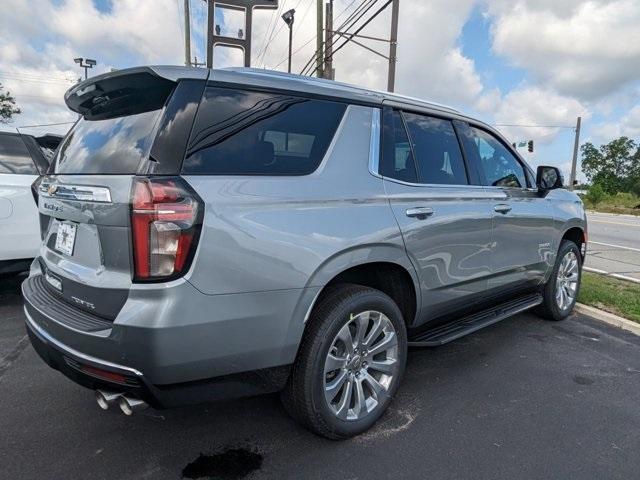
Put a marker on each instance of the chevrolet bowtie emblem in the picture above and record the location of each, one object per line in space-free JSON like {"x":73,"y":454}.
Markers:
{"x":52,"y":189}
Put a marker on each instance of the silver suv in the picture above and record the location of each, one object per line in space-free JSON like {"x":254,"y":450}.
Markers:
{"x":214,"y":234}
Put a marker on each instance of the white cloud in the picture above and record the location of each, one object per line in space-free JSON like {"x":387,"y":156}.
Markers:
{"x":583,"y":49}
{"x":628,"y":125}
{"x":40,"y":38}
{"x":537,"y":106}
{"x":430,"y":66}
{"x":580,"y":53}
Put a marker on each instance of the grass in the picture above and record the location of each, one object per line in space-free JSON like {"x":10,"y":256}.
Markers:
{"x":612,"y":295}
{"x":620,"y":203}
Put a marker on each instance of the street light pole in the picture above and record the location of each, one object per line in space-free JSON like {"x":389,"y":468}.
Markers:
{"x":86,"y":64}
{"x":289,"y":17}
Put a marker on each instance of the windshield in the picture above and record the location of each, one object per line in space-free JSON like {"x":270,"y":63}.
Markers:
{"x":111,"y":146}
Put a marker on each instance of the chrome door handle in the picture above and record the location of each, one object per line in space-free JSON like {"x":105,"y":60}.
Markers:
{"x":502,"y":208}
{"x":420,"y":212}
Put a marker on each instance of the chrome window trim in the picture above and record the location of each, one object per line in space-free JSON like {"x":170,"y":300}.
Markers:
{"x":75,"y":192}
{"x":374,"y":143}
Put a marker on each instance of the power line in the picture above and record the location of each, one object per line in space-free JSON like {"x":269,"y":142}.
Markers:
{"x":306,"y":12}
{"x":264,"y":54}
{"x":266,"y":32}
{"x":46,"y":125}
{"x":359,"y":12}
{"x":353,"y":19}
{"x":311,"y":39}
{"x":273,"y":32}
{"x":34,"y":80}
{"x":18,"y":95}
{"x":336,"y":50}
{"x":532,"y":126}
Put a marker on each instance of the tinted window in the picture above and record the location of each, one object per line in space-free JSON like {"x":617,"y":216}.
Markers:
{"x":498,"y":165}
{"x":250,"y":133}
{"x":398,"y":162}
{"x":14,"y":156}
{"x":437,"y":150}
{"x":110,"y":146}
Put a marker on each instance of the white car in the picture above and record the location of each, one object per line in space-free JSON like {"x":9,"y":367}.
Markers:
{"x":23,"y":158}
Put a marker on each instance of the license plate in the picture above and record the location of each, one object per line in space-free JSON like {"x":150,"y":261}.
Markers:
{"x":66,"y":238}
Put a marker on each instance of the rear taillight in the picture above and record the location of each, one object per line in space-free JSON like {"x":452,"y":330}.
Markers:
{"x":166,"y":216}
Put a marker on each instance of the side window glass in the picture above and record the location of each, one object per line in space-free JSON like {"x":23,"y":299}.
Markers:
{"x":437,"y":150}
{"x":399,"y":163}
{"x":14,"y":156}
{"x":239,"y":132}
{"x":497,"y":164}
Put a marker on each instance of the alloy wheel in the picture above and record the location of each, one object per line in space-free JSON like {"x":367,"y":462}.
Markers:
{"x":567,"y":281}
{"x":361,"y":365}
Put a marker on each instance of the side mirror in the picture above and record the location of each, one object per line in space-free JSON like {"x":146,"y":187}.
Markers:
{"x":548,"y":178}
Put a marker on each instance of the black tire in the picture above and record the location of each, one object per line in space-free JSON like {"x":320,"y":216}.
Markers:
{"x":303,"y":396}
{"x":549,"y":309}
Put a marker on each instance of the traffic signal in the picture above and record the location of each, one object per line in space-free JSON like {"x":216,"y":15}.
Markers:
{"x":530,"y":146}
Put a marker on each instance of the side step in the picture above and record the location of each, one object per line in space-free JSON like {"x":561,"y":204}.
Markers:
{"x":459,"y":328}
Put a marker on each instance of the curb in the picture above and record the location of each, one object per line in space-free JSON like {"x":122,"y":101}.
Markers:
{"x":610,"y":274}
{"x":609,"y":318}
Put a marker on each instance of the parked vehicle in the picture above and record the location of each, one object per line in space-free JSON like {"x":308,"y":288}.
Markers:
{"x":218,"y":233}
{"x":22,"y":159}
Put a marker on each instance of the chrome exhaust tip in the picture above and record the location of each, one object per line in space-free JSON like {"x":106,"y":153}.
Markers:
{"x":106,"y":398}
{"x":128,"y":405}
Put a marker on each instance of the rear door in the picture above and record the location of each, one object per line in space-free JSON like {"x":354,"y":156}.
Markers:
{"x":133,"y":124}
{"x":522,"y":219}
{"x":444,"y":215}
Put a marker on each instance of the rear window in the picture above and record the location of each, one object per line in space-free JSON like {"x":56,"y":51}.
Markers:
{"x":14,"y":156}
{"x":110,"y":146}
{"x":251,"y":133}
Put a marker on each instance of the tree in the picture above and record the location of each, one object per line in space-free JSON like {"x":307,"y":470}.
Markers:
{"x":7,"y":106}
{"x":614,"y":166}
{"x":595,"y":194}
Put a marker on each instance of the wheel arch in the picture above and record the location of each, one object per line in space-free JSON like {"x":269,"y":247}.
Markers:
{"x":576,"y":234}
{"x":383,"y":267}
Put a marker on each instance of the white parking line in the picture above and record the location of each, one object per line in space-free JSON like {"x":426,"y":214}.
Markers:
{"x":615,"y":275}
{"x":615,"y":246}
{"x":615,"y":223}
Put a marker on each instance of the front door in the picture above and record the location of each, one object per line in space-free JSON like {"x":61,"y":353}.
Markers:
{"x":523,"y":246}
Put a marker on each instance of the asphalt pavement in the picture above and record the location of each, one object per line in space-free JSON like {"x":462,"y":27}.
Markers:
{"x":614,"y":245}
{"x":523,"y":399}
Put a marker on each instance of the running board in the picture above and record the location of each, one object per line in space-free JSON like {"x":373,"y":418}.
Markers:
{"x":459,"y":328}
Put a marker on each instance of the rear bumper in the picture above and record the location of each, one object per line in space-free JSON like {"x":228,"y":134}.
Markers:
{"x":173,"y":344}
{"x":89,"y":372}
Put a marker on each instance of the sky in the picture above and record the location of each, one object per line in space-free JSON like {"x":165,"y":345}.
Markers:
{"x":542,"y":62}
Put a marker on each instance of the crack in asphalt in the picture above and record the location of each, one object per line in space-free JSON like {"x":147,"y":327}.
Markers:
{"x":13,"y":355}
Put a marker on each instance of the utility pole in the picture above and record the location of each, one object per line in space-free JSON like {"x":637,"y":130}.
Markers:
{"x":393,"y":45}
{"x":328,"y":54}
{"x":319,"y":53}
{"x":187,"y":34}
{"x":576,"y":146}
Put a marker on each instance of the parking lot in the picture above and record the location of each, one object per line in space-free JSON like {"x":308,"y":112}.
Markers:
{"x":522,"y":399}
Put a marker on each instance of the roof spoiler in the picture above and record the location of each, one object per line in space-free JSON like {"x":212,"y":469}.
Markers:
{"x":127,"y":91}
